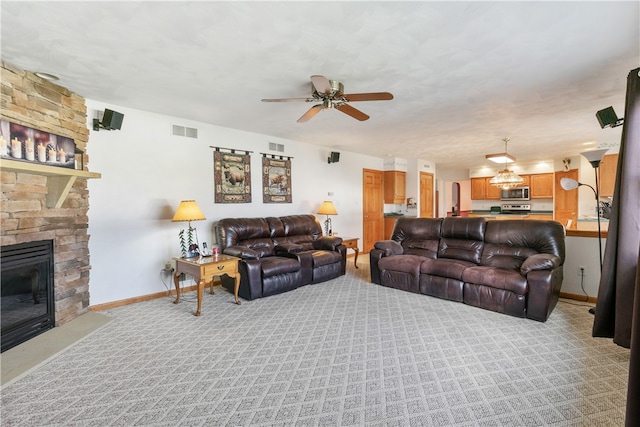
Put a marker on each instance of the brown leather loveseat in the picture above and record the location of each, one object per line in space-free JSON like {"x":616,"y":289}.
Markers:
{"x":509,"y":266}
{"x":279,"y":254}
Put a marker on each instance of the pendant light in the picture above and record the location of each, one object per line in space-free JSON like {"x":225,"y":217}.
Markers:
{"x":506,"y":178}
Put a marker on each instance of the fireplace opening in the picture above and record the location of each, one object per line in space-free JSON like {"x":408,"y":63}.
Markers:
{"x":27,"y":294}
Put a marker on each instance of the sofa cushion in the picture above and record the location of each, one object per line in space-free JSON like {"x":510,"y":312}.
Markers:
{"x":275,"y":265}
{"x":443,"y":267}
{"x":501,"y":256}
{"x":251,"y":232}
{"x":544,"y":237}
{"x":498,"y":278}
{"x":464,"y":250}
{"x":462,"y":238}
{"x":321,"y":258}
{"x":404,"y":263}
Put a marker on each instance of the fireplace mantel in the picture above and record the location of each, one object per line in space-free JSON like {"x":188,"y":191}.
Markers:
{"x":59,"y":180}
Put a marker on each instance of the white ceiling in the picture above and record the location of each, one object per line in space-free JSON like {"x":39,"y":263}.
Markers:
{"x":464,"y":75}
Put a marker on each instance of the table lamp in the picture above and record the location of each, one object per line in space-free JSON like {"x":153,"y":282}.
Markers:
{"x":188,"y":211}
{"x":327,"y":208}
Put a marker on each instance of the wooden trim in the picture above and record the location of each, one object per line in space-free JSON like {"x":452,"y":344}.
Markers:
{"x":586,"y":233}
{"x":142,"y":298}
{"x":577,"y":297}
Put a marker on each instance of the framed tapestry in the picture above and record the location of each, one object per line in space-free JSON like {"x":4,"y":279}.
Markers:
{"x":276,"y":180}
{"x":232,"y":177}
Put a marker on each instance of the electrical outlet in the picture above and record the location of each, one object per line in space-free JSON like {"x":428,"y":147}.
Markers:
{"x":582,"y":271}
{"x":167,"y":265}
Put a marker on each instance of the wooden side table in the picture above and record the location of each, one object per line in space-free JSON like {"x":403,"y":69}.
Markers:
{"x":352,"y":243}
{"x":204,"y":268}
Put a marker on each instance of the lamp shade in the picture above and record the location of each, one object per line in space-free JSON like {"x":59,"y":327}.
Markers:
{"x":569,"y":184}
{"x":594,"y":157}
{"x":188,"y":211}
{"x":327,"y":208}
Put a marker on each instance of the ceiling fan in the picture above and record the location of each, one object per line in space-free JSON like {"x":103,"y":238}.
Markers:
{"x":330,"y":94}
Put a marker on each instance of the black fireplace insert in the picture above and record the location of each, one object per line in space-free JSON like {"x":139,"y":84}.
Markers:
{"x":27,"y":294}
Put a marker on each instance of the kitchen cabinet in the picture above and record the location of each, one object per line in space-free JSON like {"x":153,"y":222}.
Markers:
{"x":481,"y":189}
{"x":478,"y":191}
{"x":395,"y":187}
{"x":541,"y":186}
{"x":608,"y":170}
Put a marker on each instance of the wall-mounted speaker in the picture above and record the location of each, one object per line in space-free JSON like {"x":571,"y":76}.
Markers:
{"x":334,"y":157}
{"x":112,"y":119}
{"x":607,"y":117}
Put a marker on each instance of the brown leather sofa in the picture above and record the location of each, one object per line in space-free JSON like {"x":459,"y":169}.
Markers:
{"x":509,"y":266}
{"x":279,"y":254}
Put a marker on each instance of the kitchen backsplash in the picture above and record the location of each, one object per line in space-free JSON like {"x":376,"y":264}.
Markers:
{"x":536,"y":205}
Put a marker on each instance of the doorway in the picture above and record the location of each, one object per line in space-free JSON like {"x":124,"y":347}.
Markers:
{"x":426,"y":195}
{"x":372,"y":208}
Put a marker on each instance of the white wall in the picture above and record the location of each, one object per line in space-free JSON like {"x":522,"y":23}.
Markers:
{"x":146,"y":172}
{"x":582,"y":252}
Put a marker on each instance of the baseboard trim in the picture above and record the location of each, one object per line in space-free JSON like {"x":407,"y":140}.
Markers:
{"x":142,"y":298}
{"x":578,"y":297}
{"x":121,"y":303}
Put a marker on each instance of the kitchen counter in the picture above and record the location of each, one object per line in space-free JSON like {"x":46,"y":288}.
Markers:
{"x":500,"y":216}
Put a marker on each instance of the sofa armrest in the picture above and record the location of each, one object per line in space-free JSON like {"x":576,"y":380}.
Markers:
{"x":288,"y":248}
{"x":389,"y":247}
{"x":540,"y":262}
{"x":327,"y":243}
{"x":241,"y":252}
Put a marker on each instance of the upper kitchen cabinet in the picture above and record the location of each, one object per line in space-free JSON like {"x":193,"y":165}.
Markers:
{"x":541,"y":186}
{"x":395,"y":183}
{"x":481,"y":189}
{"x":608,"y":167}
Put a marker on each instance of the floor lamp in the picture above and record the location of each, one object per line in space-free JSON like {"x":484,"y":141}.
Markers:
{"x":594,"y":157}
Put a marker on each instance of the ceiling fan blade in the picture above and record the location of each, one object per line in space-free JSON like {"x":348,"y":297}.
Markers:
{"x":321,"y":84}
{"x":373,"y":96}
{"x":353,"y":112}
{"x":310,"y":113}
{"x":289,"y":100}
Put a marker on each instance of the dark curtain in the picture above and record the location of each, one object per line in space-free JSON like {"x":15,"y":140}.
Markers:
{"x":618,"y":308}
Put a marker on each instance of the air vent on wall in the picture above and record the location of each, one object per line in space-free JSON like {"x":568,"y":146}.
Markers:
{"x":276,"y":147}
{"x":178,"y":130}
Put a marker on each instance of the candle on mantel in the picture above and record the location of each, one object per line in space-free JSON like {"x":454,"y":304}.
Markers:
{"x":3,"y":146}
{"x":61,"y":156}
{"x":52,"y":154}
{"x":29,"y":153}
{"x":16,"y":148}
{"x":42,"y":153}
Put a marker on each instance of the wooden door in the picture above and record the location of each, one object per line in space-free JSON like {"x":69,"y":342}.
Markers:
{"x":372,"y":208}
{"x":565,"y":203}
{"x":426,"y":195}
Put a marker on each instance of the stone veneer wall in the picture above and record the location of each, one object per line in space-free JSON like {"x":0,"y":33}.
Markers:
{"x":31,"y":101}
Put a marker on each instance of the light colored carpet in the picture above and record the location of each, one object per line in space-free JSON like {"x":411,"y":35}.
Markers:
{"x":344,"y":352}
{"x":22,"y":358}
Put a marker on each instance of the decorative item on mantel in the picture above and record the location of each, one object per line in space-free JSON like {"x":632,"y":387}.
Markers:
{"x":506,"y":178}
{"x":25,"y":144}
{"x":327,"y":208}
{"x":189,"y":211}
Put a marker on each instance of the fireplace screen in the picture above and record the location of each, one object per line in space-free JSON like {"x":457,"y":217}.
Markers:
{"x":27,"y":303}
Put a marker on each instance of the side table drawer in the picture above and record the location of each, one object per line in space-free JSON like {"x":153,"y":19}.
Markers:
{"x":351,"y":243}
{"x":222,"y":267}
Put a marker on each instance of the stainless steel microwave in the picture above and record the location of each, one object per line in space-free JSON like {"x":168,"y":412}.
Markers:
{"x":518,"y":193}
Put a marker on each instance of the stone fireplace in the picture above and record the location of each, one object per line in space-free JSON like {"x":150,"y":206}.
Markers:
{"x":43,"y":205}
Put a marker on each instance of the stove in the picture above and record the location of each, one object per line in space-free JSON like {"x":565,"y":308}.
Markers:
{"x":518,"y":208}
